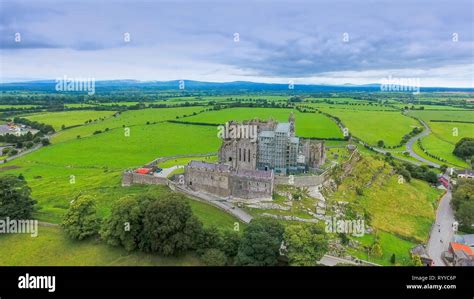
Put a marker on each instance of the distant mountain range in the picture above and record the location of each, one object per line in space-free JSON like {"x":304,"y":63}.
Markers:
{"x":189,"y":85}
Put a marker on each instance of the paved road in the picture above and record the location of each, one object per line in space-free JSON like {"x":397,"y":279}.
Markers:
{"x":23,"y":153}
{"x":329,"y":260}
{"x":34,"y":148}
{"x":409,"y":145}
{"x":215,"y":201}
{"x":442,"y":232}
{"x":166,"y":171}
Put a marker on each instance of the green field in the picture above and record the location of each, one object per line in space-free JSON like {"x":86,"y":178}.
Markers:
{"x":115,"y":149}
{"x":52,"y":248}
{"x":372,"y":126}
{"x":463,"y":115}
{"x":307,"y":124}
{"x":440,"y":148}
{"x":68,"y":118}
{"x":445,"y":135}
{"x":126,"y":119}
{"x":353,"y":105}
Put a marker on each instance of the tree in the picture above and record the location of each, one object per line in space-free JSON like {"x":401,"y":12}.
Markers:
{"x":125,"y":223}
{"x":169,"y":226}
{"x":81,"y":220}
{"x":230,"y":243}
{"x":416,"y":260}
{"x":12,"y":152}
{"x":15,"y":200}
{"x":465,"y":216}
{"x":306,"y":244}
{"x":6,"y":150}
{"x":261,"y":241}
{"x":380,"y":143}
{"x":393,"y":259}
{"x":214,"y":257}
{"x":376,"y":249}
{"x":208,"y":238}
{"x":464,"y":148}
{"x":463,"y":204}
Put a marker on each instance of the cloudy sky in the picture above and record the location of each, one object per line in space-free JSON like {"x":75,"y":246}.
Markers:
{"x":323,"y":42}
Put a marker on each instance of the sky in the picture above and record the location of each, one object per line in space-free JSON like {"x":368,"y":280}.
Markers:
{"x":306,"y":42}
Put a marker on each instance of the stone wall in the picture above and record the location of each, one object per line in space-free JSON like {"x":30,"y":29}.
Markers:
{"x":249,"y":188}
{"x":211,"y":181}
{"x":130,"y":178}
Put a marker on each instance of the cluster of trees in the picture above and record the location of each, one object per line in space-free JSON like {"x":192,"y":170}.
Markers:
{"x":464,"y":148}
{"x":15,"y":198}
{"x":463,"y":204}
{"x":409,"y":171}
{"x":11,"y":138}
{"x":428,"y":153}
{"x":43,"y":128}
{"x":167,"y":226}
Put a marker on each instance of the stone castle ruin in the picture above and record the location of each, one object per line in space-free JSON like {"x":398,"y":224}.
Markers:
{"x":248,"y":164}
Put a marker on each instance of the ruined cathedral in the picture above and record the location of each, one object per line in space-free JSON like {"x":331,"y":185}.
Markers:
{"x":275,"y":148}
{"x":251,"y":154}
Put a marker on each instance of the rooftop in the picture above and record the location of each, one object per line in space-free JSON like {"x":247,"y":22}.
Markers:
{"x":465,"y":239}
{"x":210,"y":166}
{"x":466,"y":249}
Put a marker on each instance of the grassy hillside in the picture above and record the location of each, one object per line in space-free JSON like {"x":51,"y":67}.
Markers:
{"x":52,"y":248}
{"x":405,"y":209}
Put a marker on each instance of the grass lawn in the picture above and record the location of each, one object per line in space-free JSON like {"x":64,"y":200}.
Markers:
{"x":462,"y":115}
{"x":115,"y":149}
{"x":372,"y":126}
{"x":125,"y":119}
{"x":52,"y":248}
{"x":445,"y":135}
{"x":68,"y":118}
{"x":390,"y":245}
{"x":452,"y":132}
{"x":440,"y":148}
{"x":307,"y":124}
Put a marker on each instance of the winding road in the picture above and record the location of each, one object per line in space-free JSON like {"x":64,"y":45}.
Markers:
{"x":409,"y":145}
{"x":442,"y":231}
